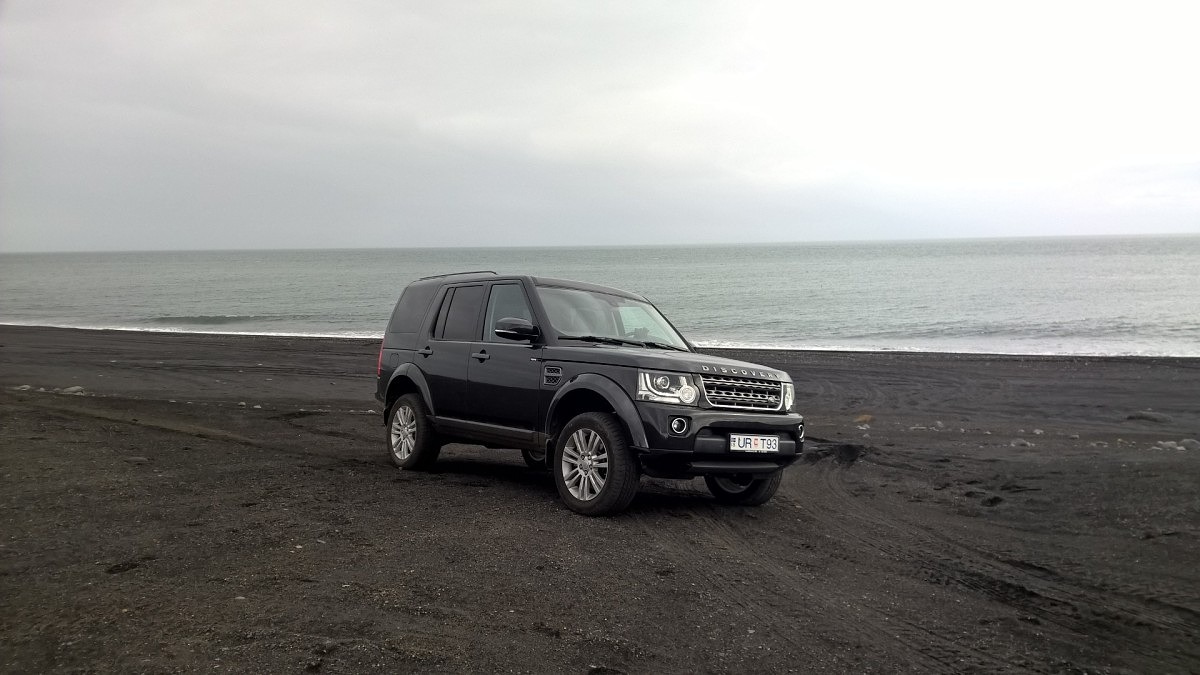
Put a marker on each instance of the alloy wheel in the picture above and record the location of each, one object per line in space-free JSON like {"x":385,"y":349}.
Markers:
{"x":585,"y":464}
{"x":404,"y":432}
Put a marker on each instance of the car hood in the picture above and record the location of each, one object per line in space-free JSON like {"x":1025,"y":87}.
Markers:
{"x":661,"y":359}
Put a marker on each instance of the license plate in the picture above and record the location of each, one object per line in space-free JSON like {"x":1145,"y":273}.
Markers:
{"x":748,"y":443}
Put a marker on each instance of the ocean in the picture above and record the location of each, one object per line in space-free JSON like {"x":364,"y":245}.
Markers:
{"x":1079,"y":295}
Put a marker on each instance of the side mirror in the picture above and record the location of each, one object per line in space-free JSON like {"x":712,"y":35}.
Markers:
{"x":511,"y":328}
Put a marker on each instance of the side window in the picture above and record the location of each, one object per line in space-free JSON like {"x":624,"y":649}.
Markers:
{"x":440,"y":324}
{"x":507,"y":301}
{"x":463,"y":314}
{"x":410,"y":310}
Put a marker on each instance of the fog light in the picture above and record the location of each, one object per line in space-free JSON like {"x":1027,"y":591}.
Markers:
{"x":679,"y":426}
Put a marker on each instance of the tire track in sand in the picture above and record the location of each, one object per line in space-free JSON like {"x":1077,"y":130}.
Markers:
{"x":1080,"y":609}
{"x":713,"y":532}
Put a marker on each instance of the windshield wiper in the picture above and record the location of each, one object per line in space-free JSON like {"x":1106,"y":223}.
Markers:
{"x":662,"y":345}
{"x":607,"y":340}
{"x":602,"y":339}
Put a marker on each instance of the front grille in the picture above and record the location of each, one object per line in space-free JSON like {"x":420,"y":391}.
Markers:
{"x":742,"y":393}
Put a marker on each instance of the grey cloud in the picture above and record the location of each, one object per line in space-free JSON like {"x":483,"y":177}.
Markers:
{"x":149,"y":125}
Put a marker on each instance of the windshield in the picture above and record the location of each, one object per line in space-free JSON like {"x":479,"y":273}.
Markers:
{"x":576,"y":313}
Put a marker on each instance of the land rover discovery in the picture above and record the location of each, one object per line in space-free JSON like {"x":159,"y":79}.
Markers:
{"x":591,"y":382}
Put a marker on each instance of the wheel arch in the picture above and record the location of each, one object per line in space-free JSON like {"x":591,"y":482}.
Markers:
{"x":593,"y":393}
{"x":407,"y":379}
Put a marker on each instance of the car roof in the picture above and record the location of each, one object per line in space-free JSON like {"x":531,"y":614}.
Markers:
{"x":467,"y":277}
{"x":583,"y":286}
{"x":459,"y":276}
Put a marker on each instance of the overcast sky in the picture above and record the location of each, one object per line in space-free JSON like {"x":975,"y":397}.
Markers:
{"x":262,"y":124}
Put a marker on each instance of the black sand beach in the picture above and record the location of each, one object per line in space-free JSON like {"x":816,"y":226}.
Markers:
{"x":225,"y":503}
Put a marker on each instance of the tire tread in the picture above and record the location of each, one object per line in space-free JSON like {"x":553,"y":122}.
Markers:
{"x":759,"y":491}
{"x":428,"y":446}
{"x":623,"y":479}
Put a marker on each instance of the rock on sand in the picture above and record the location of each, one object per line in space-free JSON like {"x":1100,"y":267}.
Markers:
{"x":1186,"y":444}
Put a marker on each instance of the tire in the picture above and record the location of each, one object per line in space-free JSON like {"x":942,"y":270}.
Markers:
{"x":535,"y":459}
{"x":593,"y":468}
{"x":744,"y":490}
{"x":411,"y":440}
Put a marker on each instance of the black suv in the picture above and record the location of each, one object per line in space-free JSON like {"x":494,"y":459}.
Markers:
{"x":594,"y":378}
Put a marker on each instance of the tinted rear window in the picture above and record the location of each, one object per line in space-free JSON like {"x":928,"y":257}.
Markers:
{"x":411,"y":308}
{"x":463,"y":317}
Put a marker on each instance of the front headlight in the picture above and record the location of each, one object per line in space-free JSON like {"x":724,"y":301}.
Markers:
{"x":662,"y":387}
{"x":789,"y":396}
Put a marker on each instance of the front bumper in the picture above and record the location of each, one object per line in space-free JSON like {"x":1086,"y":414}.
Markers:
{"x":703,"y":448}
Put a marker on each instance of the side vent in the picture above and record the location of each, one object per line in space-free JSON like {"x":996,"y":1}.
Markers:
{"x":551,"y":375}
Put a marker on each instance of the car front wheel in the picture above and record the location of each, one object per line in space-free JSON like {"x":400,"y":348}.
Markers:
{"x":593,"y":468}
{"x":744,"y":490}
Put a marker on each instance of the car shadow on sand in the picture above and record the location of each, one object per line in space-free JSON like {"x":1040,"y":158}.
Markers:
{"x":474,"y":472}
{"x":655,"y":496}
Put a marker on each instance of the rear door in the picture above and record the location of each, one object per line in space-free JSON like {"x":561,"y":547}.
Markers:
{"x":505,"y":375}
{"x":451,"y":339}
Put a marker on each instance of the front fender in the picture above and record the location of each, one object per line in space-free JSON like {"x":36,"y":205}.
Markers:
{"x":612,"y":393}
{"x":413,"y":374}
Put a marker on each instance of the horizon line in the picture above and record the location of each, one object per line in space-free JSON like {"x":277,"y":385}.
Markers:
{"x":741,"y":244}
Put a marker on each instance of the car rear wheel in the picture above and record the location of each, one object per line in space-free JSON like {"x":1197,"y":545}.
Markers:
{"x":412,"y":443}
{"x":744,"y":490}
{"x":593,"y":468}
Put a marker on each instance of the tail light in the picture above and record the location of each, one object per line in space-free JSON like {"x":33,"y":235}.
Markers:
{"x":379,"y":362}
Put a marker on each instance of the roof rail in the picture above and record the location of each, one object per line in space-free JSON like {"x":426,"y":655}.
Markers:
{"x":454,"y":274}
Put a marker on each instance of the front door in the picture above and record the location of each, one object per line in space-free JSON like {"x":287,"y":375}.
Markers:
{"x":505,"y":374}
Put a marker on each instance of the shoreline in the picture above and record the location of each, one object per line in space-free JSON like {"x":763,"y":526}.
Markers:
{"x":703,"y":347}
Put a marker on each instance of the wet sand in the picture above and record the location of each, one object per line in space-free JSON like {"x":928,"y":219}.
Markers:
{"x":953,"y":513}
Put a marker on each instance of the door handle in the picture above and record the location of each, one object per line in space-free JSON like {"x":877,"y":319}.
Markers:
{"x":425,"y":352}
{"x":482,"y":356}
